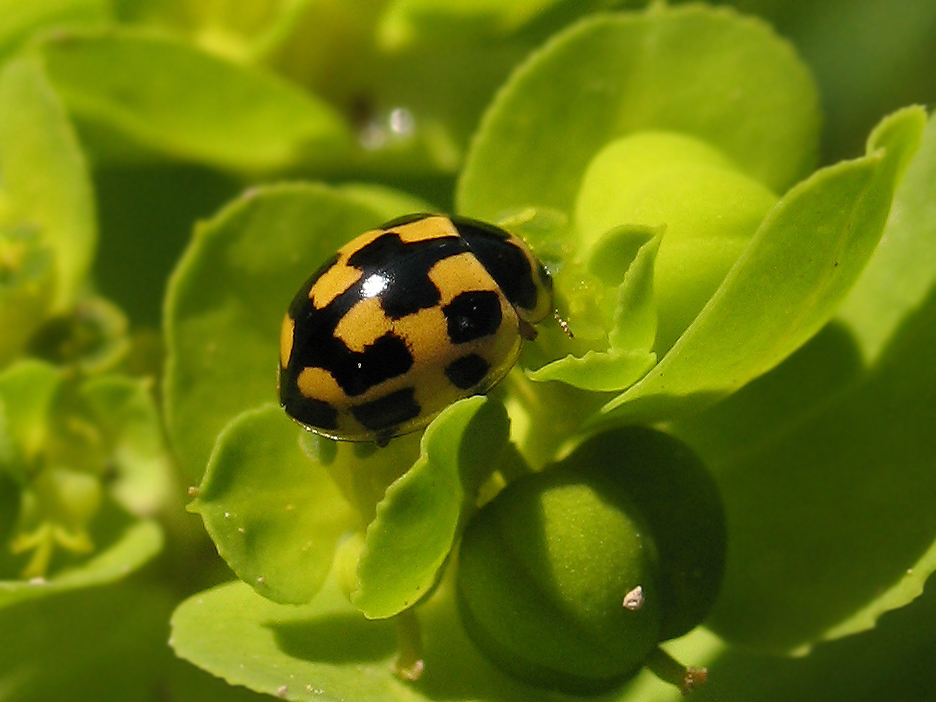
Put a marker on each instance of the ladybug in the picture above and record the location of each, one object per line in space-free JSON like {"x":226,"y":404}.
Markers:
{"x":403,"y":321}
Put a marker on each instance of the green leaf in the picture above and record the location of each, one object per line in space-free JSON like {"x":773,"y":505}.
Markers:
{"x":122,"y":545}
{"x":892,"y":660}
{"x":46,"y":187}
{"x":612,"y":370}
{"x":21,"y":19}
{"x":418,"y":520}
{"x":889,"y":662}
{"x":125,"y":412}
{"x":327,"y":651}
{"x":171,"y":99}
{"x":99,"y":645}
{"x":186,"y":683}
{"x":706,"y":72}
{"x":618,"y":274}
{"x":244,"y":33}
{"x":406,"y":18}
{"x":632,"y":320}
{"x":226,"y":300}
{"x":788,"y":283}
{"x":635,"y":318}
{"x":829,"y":504}
{"x":783,"y":429}
{"x":901,"y":273}
{"x":275,"y":516}
{"x":103,"y":644}
{"x":708,"y":208}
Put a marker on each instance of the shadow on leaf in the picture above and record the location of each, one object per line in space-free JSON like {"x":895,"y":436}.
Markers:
{"x":336,"y":638}
{"x":831,"y":504}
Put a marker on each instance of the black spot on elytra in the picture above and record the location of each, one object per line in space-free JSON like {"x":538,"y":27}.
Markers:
{"x":405,"y":270}
{"x":466,"y":372}
{"x":316,"y":413}
{"x":376,"y":254}
{"x":407,"y":289}
{"x":506,"y":262}
{"x":406,"y":297}
{"x":386,"y":358}
{"x":388,"y":411}
{"x":472,"y":315}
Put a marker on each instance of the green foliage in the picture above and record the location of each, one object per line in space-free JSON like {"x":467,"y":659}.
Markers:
{"x":739,"y":422}
{"x":709,"y":209}
{"x":416,"y":523}
{"x":808,"y":253}
{"x":121,"y":546}
{"x":765,"y":120}
{"x":278,"y":527}
{"x":294,"y":652}
{"x":847,"y":411}
{"x":46,"y":190}
{"x":59,"y":440}
{"x":21,"y":19}
{"x":179,"y":119}
{"x":622,"y":266}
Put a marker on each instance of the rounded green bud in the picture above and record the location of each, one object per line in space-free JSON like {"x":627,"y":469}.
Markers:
{"x":680,"y":503}
{"x":557,"y":584}
{"x":709,"y":208}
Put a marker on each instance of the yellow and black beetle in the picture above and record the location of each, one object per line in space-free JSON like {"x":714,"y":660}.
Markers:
{"x":403,"y":321}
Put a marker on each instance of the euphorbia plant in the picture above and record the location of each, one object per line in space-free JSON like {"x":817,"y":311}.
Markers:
{"x":739,"y":434}
{"x":660,"y":163}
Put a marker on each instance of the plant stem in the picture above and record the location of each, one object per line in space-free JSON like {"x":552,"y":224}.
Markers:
{"x":409,"y":662}
{"x":669,"y":670}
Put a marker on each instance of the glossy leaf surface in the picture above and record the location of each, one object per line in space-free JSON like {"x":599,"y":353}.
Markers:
{"x":275,"y":516}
